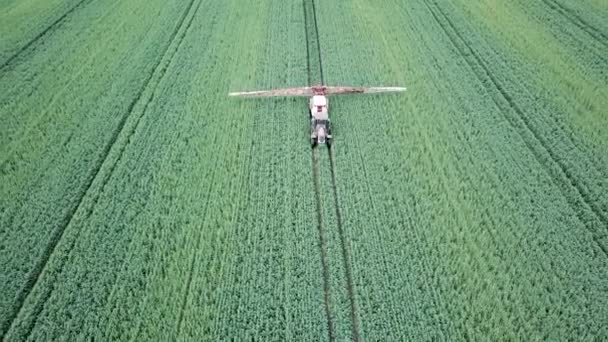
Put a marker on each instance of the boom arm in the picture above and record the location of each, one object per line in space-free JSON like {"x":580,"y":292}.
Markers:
{"x":361,"y":90}
{"x":303,"y":91}
{"x":318,"y":90}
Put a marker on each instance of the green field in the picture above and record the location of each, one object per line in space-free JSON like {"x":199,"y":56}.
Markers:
{"x":139,"y":202}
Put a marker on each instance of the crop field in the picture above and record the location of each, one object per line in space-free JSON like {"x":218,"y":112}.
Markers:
{"x":139,"y":202}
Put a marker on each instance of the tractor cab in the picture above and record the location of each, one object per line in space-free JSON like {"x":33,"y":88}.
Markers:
{"x":320,"y":126}
{"x":319,"y":107}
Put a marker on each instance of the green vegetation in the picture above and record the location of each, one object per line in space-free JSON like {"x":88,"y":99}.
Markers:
{"x":138,"y":201}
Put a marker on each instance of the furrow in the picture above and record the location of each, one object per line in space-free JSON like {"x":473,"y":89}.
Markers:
{"x":314,"y":16}
{"x":307,"y":42}
{"x":87,"y":187}
{"x":39,"y":119}
{"x":54,"y":25}
{"x":316,"y":181}
{"x":538,"y":138}
{"x":160,"y":69}
{"x":313,"y":46}
{"x":574,"y":18}
{"x":322,"y":245}
{"x":531,"y":137}
{"x":345,"y":254}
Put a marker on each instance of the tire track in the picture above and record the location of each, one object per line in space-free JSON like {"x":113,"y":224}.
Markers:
{"x":344,"y":250}
{"x":37,"y":121}
{"x":533,"y":140}
{"x":54,"y":25}
{"x":350,"y":287}
{"x":314,"y":16}
{"x":317,"y":192}
{"x":312,"y":31}
{"x":309,"y":76}
{"x":575,"y":19}
{"x":322,"y":245}
{"x":158,"y":69}
{"x":108,"y":174}
{"x":313,"y":47}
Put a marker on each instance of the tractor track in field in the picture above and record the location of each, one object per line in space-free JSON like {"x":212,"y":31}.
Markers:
{"x":52,"y":27}
{"x":322,"y":245}
{"x":350,"y":287}
{"x":317,"y":194}
{"x":533,"y":140}
{"x":575,"y":19}
{"x":159,"y":70}
{"x":312,"y":34}
{"x":307,"y":43}
{"x":314,"y":18}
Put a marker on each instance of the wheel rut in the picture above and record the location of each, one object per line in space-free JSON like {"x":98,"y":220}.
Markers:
{"x":322,"y":246}
{"x":350,"y":287}
{"x":315,"y":77}
{"x":576,"y":194}
{"x":575,"y":19}
{"x":152,"y":82}
{"x":52,"y":27}
{"x":312,"y":76}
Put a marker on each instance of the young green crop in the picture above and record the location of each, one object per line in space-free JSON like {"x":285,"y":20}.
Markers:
{"x":63,"y":101}
{"x":461,"y":223}
{"x":138,"y":201}
{"x":200,"y":221}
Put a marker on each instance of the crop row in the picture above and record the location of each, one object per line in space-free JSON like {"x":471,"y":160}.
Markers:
{"x":568,"y":151}
{"x":55,"y":138}
{"x":26,"y":23}
{"x":455,"y":227}
{"x":138,"y":201}
{"x":201,"y":220}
